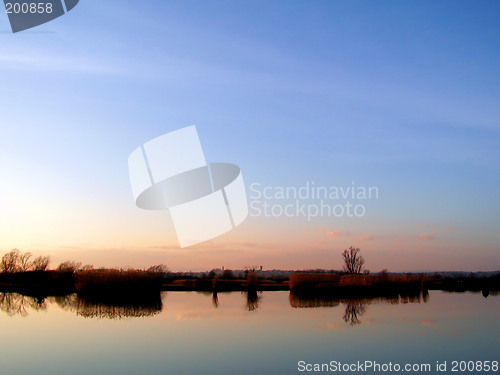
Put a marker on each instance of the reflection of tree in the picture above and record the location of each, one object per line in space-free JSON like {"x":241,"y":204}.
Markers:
{"x":215,"y":299}
{"x":66,"y":302}
{"x":124,"y":306}
{"x":353,"y":311}
{"x":253,"y":300}
{"x":425,"y":295}
{"x":17,"y":304}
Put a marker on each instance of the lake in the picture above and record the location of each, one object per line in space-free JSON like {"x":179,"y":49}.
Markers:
{"x":232,"y":333}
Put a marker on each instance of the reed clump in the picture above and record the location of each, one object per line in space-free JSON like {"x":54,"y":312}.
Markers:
{"x":301,"y":280}
{"x":117,"y":280}
{"x":357,"y":283}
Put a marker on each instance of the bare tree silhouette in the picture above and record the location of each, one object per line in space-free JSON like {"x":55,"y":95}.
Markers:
{"x":9,"y":262}
{"x":40,"y":263}
{"x":24,"y":263}
{"x":353,"y":263}
{"x":158,"y":270}
{"x":15,"y":261}
{"x":68,"y":266}
{"x":251,"y":276}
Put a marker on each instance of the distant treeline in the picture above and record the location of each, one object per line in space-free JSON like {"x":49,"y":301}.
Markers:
{"x":27,"y":274}
{"x":15,"y":261}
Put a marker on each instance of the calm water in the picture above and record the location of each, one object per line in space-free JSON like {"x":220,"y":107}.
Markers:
{"x":193,"y":333}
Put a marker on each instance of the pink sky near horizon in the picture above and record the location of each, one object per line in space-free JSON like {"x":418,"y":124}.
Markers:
{"x":274,"y":245}
{"x":125,"y":236}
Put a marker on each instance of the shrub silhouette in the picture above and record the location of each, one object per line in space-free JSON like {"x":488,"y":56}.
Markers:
{"x":68,"y":266}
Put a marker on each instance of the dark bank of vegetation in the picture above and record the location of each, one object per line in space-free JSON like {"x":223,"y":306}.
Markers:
{"x":115,"y":281}
{"x":343,"y":286}
{"x":22,"y":273}
{"x":464,"y":283}
{"x":356,"y":281}
{"x":18,"y":273}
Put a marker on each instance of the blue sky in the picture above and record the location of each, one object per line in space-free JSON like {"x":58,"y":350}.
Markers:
{"x":401,"y":95}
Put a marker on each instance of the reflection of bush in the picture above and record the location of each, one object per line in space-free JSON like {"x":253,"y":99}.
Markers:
{"x":302,"y":301}
{"x":117,"y":307}
{"x":311,"y":300}
{"x":18,"y":304}
{"x":354,"y":307}
{"x":253,"y":300}
{"x":93,"y":309}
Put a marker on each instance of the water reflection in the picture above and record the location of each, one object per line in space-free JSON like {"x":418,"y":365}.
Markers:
{"x":354,"y":308}
{"x":275,"y":335}
{"x":300,"y":301}
{"x":253,"y":300}
{"x":117,"y":309}
{"x":215,"y":299}
{"x":18,"y":304}
{"x":132,"y":305}
{"x":111,"y":308}
{"x":106,"y":306}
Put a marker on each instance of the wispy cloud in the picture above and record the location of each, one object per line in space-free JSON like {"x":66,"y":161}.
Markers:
{"x":429,"y":322}
{"x":365,"y":237}
{"x":337,"y":233}
{"x":42,"y":61}
{"x":427,"y":236}
{"x":346,"y":234}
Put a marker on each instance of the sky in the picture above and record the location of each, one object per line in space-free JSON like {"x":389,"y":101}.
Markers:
{"x":401,"y":96}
